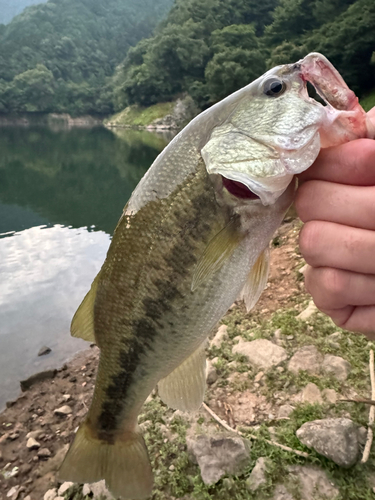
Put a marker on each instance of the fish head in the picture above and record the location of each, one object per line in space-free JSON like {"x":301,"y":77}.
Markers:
{"x":272,"y":129}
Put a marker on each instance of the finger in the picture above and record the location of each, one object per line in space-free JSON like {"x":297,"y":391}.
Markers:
{"x":333,"y":288}
{"x":350,"y":163}
{"x":359,"y":319}
{"x":328,"y":201}
{"x":371,"y":115}
{"x":326,"y":244}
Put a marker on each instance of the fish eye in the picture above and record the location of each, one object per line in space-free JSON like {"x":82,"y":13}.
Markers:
{"x":274,"y":87}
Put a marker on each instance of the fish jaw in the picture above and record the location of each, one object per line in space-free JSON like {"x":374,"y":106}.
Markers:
{"x":345,"y":119}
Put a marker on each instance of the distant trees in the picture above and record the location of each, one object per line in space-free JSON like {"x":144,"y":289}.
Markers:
{"x":61,"y":55}
{"x":212,"y":48}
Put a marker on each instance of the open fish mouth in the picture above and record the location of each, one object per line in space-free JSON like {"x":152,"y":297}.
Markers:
{"x":238,"y":189}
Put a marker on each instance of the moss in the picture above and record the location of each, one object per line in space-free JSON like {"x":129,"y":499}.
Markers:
{"x":138,"y":116}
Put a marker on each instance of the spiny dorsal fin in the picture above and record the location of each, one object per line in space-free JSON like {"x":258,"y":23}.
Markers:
{"x":83,"y":321}
{"x":218,"y":250}
{"x":256,"y":280}
{"x":183,"y":389}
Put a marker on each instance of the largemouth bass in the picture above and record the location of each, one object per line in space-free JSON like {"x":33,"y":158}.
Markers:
{"x":194,"y":234}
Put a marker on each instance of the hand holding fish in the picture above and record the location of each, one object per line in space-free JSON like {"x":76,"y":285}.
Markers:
{"x":336,"y":201}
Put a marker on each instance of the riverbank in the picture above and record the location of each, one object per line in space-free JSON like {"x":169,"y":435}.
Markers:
{"x":269,"y":373}
{"x":52,"y":120}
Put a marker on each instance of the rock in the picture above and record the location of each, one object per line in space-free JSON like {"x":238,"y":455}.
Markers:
{"x":14,"y":435}
{"x":86,"y":490}
{"x":44,"y":453}
{"x":308,"y":312}
{"x":50,"y":494}
{"x":45,"y":375}
{"x":34,"y":434}
{"x":284,"y":411}
{"x":212,"y":375}
{"x":281,"y":493}
{"x":63,"y":411}
{"x":219,"y":455}
{"x":32,"y":444}
{"x":278,"y":337}
{"x":330,"y":395}
{"x":261,"y":352}
{"x":258,"y":377}
{"x":100,"y":490}
{"x":311,"y":394}
{"x":13,"y":493}
{"x":220,"y":336}
{"x":313,"y":483}
{"x":44,"y":350}
{"x":336,"y":365}
{"x":66,"y":397}
{"x":362,"y":435}
{"x":258,"y":475}
{"x":307,"y":358}
{"x":334,"y":438}
{"x":64,"y":487}
{"x":27,"y":498}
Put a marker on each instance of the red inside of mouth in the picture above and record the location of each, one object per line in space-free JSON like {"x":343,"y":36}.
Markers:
{"x":238,"y":189}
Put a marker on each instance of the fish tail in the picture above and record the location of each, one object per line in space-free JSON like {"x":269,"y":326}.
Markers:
{"x":123,"y":463}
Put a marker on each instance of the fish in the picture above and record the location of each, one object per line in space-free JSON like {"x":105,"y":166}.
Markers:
{"x":193,"y":237}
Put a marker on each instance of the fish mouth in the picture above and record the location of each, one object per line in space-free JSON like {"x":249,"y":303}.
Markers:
{"x":238,"y":189}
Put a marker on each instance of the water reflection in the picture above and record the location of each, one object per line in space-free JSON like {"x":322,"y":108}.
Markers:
{"x":61,"y":194}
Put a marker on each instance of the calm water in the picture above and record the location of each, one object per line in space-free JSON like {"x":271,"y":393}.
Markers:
{"x":61,"y":194}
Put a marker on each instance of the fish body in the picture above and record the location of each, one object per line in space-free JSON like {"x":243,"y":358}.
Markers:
{"x":193,"y":235}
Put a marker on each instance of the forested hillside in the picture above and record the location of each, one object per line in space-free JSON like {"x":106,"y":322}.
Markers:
{"x":212,"y":48}
{"x":10,"y":8}
{"x":59,"y":56}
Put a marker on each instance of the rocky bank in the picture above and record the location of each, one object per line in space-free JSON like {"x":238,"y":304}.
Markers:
{"x":276,"y":376}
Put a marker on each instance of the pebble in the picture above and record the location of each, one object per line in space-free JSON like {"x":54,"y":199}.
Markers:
{"x":66,"y":397}
{"x":86,"y":490}
{"x":32,"y":444}
{"x":336,"y":365}
{"x":44,"y":453}
{"x":64,"y":487}
{"x":63,"y":411}
{"x":14,"y":436}
{"x":50,"y":494}
{"x":308,"y":312}
{"x":220,"y":336}
{"x":44,"y":350}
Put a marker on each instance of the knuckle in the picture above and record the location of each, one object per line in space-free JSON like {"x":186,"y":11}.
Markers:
{"x":308,"y":238}
{"x":334,"y":284}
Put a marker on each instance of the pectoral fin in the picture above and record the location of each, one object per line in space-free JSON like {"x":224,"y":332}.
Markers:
{"x":218,"y":250}
{"x":256,"y":280}
{"x":183,"y":389}
{"x":83,"y":321}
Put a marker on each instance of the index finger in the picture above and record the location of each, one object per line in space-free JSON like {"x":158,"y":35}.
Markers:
{"x":351,"y":163}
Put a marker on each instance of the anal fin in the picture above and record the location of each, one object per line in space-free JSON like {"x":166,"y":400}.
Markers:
{"x":83,"y":321}
{"x":183,"y":389}
{"x":256,"y":280}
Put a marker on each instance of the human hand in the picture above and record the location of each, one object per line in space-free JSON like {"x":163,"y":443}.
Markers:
{"x":336,"y":201}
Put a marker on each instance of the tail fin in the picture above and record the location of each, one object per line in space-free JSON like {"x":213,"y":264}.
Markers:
{"x":124,"y":464}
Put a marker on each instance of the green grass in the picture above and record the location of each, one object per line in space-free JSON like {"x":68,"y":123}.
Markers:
{"x":368,"y":101}
{"x":138,"y":116}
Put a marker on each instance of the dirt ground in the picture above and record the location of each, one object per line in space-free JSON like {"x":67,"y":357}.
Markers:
{"x":72,"y":386}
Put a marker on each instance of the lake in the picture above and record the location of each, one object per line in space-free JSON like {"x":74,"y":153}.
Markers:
{"x":61,"y":195}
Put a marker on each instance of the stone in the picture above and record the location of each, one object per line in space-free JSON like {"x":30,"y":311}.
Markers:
{"x":219,"y":455}
{"x":311,"y":394}
{"x":284,"y":411}
{"x":313,"y":483}
{"x":308,"y":312}
{"x":86,"y":490}
{"x":63,"y":411}
{"x":334,"y":438}
{"x":14,"y":435}
{"x":261,"y":352}
{"x":308,"y":358}
{"x":64,"y":487}
{"x":27,"y":498}
{"x":258,"y":475}
{"x":336,"y":365}
{"x":212,"y":375}
{"x":44,"y":375}
{"x":258,"y":377}
{"x":66,"y":397}
{"x":220,"y":336}
{"x":44,"y":350}
{"x":50,"y":494}
{"x":13,"y":493}
{"x":330,"y":395}
{"x":362,"y":435}
{"x":281,"y":493}
{"x":100,"y":490}
{"x":44,"y":453}
{"x":32,"y":444}
{"x":34,"y":434}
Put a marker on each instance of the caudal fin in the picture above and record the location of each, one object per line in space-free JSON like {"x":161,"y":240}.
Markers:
{"x":124,"y":465}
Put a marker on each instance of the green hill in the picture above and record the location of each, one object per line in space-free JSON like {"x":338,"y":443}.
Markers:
{"x":59,"y":56}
